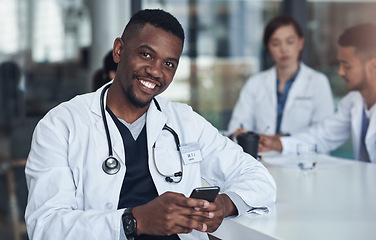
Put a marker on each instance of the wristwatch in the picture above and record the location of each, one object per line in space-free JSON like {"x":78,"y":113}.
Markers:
{"x":129,"y":223}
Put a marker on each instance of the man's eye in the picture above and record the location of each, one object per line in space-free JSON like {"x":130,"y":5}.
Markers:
{"x":147,"y":55}
{"x":170,"y":64}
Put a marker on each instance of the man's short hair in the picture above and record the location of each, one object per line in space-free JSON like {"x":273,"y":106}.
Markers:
{"x":156,"y":17}
{"x":362,"y":37}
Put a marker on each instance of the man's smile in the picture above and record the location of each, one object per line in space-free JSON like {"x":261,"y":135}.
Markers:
{"x":147,"y":84}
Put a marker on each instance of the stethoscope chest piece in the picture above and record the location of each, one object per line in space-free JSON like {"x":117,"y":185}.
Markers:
{"x":111,"y":165}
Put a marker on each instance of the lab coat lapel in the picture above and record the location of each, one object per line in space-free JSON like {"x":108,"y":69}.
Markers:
{"x":296,"y":88}
{"x":269,"y":85}
{"x":96,"y":110}
{"x":356,"y":124}
{"x":116,"y":139}
{"x":271,"y":82}
{"x":371,"y":138}
{"x":155,"y":120}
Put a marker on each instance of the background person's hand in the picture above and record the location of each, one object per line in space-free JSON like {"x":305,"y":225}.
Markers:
{"x":237,"y":132}
{"x":268,"y":143}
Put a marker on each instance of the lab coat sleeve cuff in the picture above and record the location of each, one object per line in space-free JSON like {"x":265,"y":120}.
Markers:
{"x":122,"y":234}
{"x":238,"y":202}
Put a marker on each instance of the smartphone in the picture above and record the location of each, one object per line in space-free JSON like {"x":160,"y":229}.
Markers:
{"x":207,"y":193}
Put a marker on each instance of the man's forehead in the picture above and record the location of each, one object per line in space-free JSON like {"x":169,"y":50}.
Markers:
{"x":151,"y":32}
{"x":346,"y":52}
{"x":346,"y":49}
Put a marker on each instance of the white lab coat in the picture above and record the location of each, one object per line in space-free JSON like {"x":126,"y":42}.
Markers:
{"x":70,"y":196}
{"x":338,"y":128}
{"x":309,"y":101}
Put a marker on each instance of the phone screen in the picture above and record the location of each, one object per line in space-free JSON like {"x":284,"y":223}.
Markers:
{"x":207,"y":193}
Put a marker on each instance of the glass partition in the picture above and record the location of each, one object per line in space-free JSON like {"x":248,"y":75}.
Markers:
{"x":326,"y":21}
{"x":223,"y":48}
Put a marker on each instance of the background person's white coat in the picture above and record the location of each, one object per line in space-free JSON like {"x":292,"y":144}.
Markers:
{"x":309,"y":101}
{"x":338,"y":128}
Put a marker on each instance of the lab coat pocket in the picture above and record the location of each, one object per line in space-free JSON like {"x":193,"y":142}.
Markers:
{"x":167,"y":160}
{"x":303,"y":102}
{"x":299,"y":115}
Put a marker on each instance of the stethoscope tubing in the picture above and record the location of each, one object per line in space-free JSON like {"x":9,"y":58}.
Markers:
{"x":110,"y":153}
{"x":106,"y":166}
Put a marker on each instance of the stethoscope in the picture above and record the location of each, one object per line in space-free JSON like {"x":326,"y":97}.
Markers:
{"x":111,"y":165}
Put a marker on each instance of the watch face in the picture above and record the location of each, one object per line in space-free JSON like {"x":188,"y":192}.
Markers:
{"x":129,"y":225}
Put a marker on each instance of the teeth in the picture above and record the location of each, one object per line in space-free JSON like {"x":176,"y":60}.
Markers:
{"x":147,"y":84}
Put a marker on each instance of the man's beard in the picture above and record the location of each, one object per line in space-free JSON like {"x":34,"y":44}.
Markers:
{"x":134,"y":100}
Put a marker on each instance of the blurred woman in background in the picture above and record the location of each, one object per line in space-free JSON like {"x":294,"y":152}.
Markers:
{"x":287,"y":98}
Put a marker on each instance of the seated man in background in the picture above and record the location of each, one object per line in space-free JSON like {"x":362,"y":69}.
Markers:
{"x":356,"y":114}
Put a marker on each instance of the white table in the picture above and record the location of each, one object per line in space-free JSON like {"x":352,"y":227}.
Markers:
{"x":337,"y":200}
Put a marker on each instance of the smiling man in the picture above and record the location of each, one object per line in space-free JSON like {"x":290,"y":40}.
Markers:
{"x":121,"y":162}
{"x":356,"y":115}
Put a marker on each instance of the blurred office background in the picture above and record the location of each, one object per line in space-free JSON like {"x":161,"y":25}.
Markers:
{"x":50,"y":49}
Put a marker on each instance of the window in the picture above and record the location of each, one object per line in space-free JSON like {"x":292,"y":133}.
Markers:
{"x":12,"y":22}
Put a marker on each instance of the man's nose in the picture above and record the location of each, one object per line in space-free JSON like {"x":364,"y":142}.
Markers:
{"x":340,"y":71}
{"x":154,"y":69}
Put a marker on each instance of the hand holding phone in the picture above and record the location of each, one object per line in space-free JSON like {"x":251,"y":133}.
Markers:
{"x":207,"y":193}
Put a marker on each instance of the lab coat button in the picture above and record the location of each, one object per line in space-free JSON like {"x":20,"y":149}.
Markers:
{"x":109,"y":205}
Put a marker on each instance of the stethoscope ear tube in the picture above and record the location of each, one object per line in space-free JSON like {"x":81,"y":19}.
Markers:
{"x":105,"y":121}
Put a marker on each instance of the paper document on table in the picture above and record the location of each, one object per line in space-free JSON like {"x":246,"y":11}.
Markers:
{"x":290,"y":161}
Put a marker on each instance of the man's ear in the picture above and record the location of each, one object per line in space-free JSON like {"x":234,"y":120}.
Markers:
{"x":118,"y":47}
{"x":372,"y":63}
{"x":370,"y":67}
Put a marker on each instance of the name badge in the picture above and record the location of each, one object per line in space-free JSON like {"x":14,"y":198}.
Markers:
{"x":190,"y":153}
